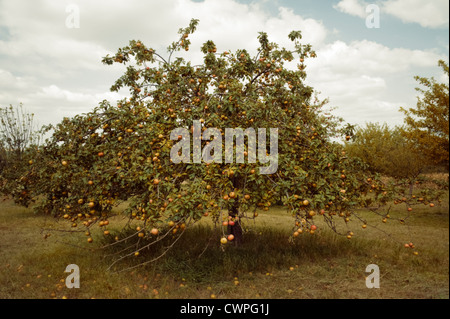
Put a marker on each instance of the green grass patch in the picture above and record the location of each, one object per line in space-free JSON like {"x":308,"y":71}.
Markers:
{"x":267,"y":265}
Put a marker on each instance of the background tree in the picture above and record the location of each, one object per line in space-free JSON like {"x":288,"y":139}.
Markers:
{"x":19,"y":138}
{"x":122,"y":153}
{"x":2,"y":157}
{"x":387,"y":151}
{"x":17,"y":130}
{"x":427,"y":125}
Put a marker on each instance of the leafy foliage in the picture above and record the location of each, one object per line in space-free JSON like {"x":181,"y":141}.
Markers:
{"x":386,"y":150}
{"x":427,"y":124}
{"x":121,"y":153}
{"x":19,"y":138}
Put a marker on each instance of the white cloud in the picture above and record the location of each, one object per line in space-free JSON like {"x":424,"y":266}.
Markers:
{"x":353,"y":7}
{"x":63,"y":68}
{"x":367,"y":81}
{"x":54,"y":92}
{"x":368,"y":57}
{"x":429,"y":14}
{"x":9,"y":82}
{"x":57,"y":72}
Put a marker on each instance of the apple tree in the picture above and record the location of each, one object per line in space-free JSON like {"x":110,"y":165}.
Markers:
{"x":387,"y":151}
{"x":427,"y":124}
{"x":19,"y":139}
{"x":147,"y":152}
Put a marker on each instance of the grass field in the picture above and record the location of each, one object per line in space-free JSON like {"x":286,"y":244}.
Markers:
{"x":323,"y":265}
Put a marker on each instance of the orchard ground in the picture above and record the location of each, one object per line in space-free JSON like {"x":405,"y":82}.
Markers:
{"x":322,"y":265}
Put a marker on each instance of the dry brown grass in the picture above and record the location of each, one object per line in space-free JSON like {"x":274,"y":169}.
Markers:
{"x":322,"y":265}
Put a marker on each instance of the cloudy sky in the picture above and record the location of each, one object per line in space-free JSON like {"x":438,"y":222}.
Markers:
{"x":52,"y":64}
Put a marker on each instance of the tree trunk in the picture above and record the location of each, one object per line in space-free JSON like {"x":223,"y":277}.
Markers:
{"x":233,"y":212}
{"x":236,"y":229}
{"x":411,"y":186}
